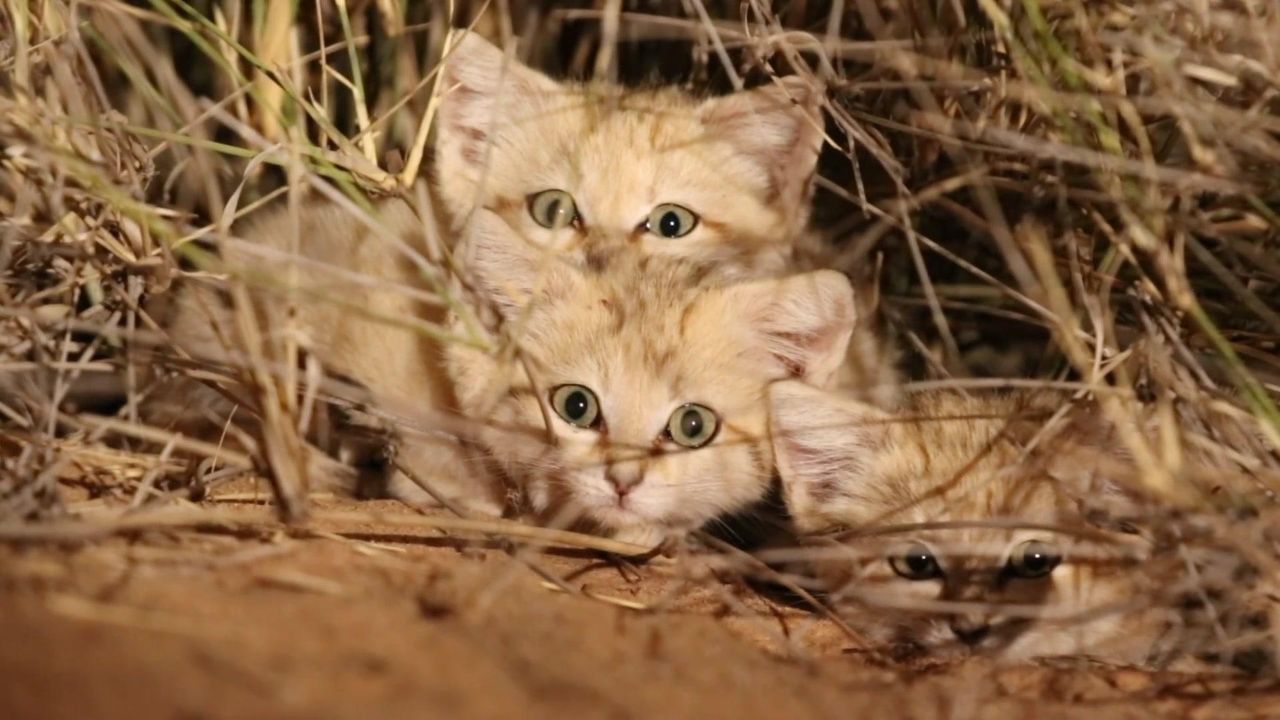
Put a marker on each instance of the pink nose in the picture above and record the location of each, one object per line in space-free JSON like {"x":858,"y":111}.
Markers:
{"x":623,"y":482}
{"x":970,"y":630}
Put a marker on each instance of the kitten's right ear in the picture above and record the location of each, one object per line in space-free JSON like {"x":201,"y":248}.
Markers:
{"x":822,"y":444}
{"x":509,"y":271}
{"x":481,"y":89}
{"x":800,"y":324}
{"x":778,"y":127}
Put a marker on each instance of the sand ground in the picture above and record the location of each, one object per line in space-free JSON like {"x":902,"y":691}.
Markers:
{"x":217,"y":624}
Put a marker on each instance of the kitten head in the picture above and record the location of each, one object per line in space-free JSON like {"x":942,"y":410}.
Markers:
{"x":575,"y":166}
{"x":637,"y":399}
{"x":955,"y":539}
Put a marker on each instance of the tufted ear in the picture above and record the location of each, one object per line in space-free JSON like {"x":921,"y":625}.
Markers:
{"x":800,"y":325}
{"x":1092,"y":466}
{"x":509,"y":271}
{"x":778,"y":128}
{"x":821,"y":445}
{"x":481,"y":91}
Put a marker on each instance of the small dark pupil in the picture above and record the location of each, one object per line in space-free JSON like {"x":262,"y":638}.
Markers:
{"x":1035,"y":560}
{"x":576,"y":404}
{"x":669,"y":224}
{"x":553,"y":211}
{"x":920,"y":563}
{"x":691,"y":424}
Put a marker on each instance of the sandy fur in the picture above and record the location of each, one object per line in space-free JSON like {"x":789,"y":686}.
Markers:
{"x":647,"y":334}
{"x":950,"y":457}
{"x":743,"y":163}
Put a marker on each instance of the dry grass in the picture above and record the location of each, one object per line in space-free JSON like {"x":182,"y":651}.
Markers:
{"x":1065,"y":191}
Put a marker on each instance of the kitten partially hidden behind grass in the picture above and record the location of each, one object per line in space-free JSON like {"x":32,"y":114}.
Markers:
{"x":637,"y":402}
{"x":573,"y":166}
{"x":525,"y":161}
{"x":939,"y":530}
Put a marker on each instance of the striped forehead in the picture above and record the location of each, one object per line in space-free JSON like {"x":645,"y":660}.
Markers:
{"x":957,"y":469}
{"x":628,"y":313}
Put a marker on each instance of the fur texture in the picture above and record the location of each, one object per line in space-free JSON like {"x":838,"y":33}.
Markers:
{"x":743,"y":164}
{"x":951,"y":474}
{"x":357,"y":308}
{"x":645,"y":332}
{"x":647,"y":335}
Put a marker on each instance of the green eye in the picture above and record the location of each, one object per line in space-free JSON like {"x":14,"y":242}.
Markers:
{"x":1033,"y":559}
{"x":553,"y":209}
{"x":576,"y":405}
{"x":917,"y":562}
{"x":692,"y":425}
{"x":671,"y":221}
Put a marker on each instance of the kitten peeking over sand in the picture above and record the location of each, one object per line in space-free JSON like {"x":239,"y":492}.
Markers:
{"x":954,"y":540}
{"x":1007,"y":525}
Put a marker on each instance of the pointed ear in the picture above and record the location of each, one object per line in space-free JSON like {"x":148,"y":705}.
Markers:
{"x":511,"y":272}
{"x":481,"y":90}
{"x":823,"y":445}
{"x":1094,"y":468}
{"x":801,"y":323}
{"x":1110,"y":502}
{"x":778,"y":128}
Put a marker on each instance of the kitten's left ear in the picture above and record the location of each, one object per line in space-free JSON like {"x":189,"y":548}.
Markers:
{"x":778,"y":127}
{"x":801,"y":323}
{"x":482,"y":91}
{"x":822,"y":444}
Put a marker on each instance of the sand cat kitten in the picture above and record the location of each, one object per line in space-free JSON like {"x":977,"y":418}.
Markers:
{"x":577,"y":167}
{"x":640,"y":407}
{"x":654,"y":345}
{"x":960,"y":535}
{"x":956,"y":542}
{"x":574,"y":166}
{"x":565,"y":166}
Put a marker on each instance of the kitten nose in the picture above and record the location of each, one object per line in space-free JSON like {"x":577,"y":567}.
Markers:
{"x":970,"y":629}
{"x":624,"y":478}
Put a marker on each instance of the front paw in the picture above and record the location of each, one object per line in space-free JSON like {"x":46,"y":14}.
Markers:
{"x":649,"y":537}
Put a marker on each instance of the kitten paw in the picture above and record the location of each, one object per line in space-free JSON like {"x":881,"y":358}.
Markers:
{"x":650,"y":537}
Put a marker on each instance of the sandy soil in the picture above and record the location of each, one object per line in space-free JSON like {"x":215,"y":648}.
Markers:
{"x":219,"y":625}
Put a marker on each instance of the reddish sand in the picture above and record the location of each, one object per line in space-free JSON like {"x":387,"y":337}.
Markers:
{"x":202,"y":624}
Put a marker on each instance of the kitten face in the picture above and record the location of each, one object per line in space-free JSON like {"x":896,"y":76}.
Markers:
{"x":1003,"y":593}
{"x":575,"y":167}
{"x":958,"y":543}
{"x":640,"y":405}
